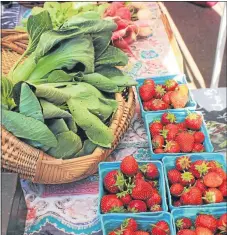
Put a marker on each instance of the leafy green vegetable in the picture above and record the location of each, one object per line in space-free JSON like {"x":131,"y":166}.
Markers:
{"x":68,"y":145}
{"x":28,"y":128}
{"x":59,"y":76}
{"x":88,"y":148}
{"x":6,"y":90}
{"x":57,"y":126}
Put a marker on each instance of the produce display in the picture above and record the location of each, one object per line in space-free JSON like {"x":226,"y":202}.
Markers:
{"x":170,"y":95}
{"x":204,"y":224}
{"x":131,"y":227}
{"x":132,"y":188}
{"x":170,"y":136}
{"x":197,"y":182}
{"x":61,"y":97}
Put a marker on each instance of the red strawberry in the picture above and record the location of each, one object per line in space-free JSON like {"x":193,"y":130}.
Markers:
{"x":157,"y":151}
{"x":171,"y":85}
{"x":153,"y":200}
{"x":157,"y":104}
{"x":129,"y":166}
{"x":150,"y":170}
{"x":213,"y":165}
{"x":141,"y":190}
{"x":166,"y":97}
{"x":199,"y":168}
{"x":183,"y":223}
{"x":168,"y":118}
{"x":169,"y":134}
{"x":158,"y":141}
{"x":194,"y":121}
{"x":221,"y":172}
{"x":186,"y":232}
{"x":203,"y":231}
{"x":147,"y":91}
{"x":147,"y":105}
{"x":137,"y":206}
{"x":172,"y":126}
{"x":172,"y":147}
{"x":155,"y":128}
{"x":199,"y":137}
{"x":160,"y":228}
{"x":199,"y":184}
{"x":176,"y":190}
{"x":174,"y":176}
{"x":159,"y":91}
{"x":125,"y":198}
{"x":139,"y":175}
{"x":149,"y":81}
{"x":222,"y":223}
{"x":177,"y":203}
{"x":192,"y":196}
{"x":212,"y":180}
{"x":185,"y":141}
{"x":140,"y":232}
{"x":115,"y":232}
{"x":223,"y":188}
{"x":206,"y":221}
{"x":198,"y":148}
{"x":183,"y":163}
{"x":181,"y":127}
{"x":213,"y":195}
{"x":187,"y":178}
{"x":114,"y":181}
{"x":156,"y":208}
{"x":127,"y":231}
{"x":110,"y":203}
{"x":130,"y":223}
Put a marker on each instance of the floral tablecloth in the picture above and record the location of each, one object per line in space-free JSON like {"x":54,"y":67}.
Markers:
{"x":71,"y":209}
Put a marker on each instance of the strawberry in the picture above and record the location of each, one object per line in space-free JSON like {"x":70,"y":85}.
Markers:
{"x":156,"y":208}
{"x":153,"y":200}
{"x":160,"y":228}
{"x":183,"y":223}
{"x":192,"y":196}
{"x":186,"y":232}
{"x":171,"y":85}
{"x":147,"y":91}
{"x":141,"y":190}
{"x":212,"y":180}
{"x":199,"y":137}
{"x":206,"y":221}
{"x":139,"y":175}
{"x":110,"y":203}
{"x":213,"y":195}
{"x":187,"y":178}
{"x":221,"y":172}
{"x":194,"y":121}
{"x":147,"y":105}
{"x":150,"y":171}
{"x":127,"y":231}
{"x":149,"y":81}
{"x":181,"y":126}
{"x":137,"y":206}
{"x":114,"y":181}
{"x":169,"y":134}
{"x":159,"y":91}
{"x":198,"y":148}
{"x":199,"y":168}
{"x":177,"y":203}
{"x":130,"y":223}
{"x":222,"y":223}
{"x":172,"y":147}
{"x":157,"y":151}
{"x":213,"y":165}
{"x":203,"y":231}
{"x":223,"y":188}
{"x":174,"y":176}
{"x":129,"y":166}
{"x":185,"y":141}
{"x":158,"y":141}
{"x":183,"y":163}
{"x":140,"y":232}
{"x":125,"y":198}
{"x":172,"y":126}
{"x":155,"y":128}
{"x":166,"y":97}
{"x":168,"y":118}
{"x":200,"y":185}
{"x":115,"y":232}
{"x":157,"y":104}
{"x":176,"y":190}
{"x":179,"y":97}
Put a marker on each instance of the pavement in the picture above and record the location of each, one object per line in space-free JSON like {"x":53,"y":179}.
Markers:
{"x":199,"y":29}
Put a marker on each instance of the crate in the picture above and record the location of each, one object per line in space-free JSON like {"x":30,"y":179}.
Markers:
{"x":180,"y":116}
{"x":169,"y":163}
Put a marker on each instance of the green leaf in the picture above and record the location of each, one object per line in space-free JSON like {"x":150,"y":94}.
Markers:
{"x":6,"y":93}
{"x":108,"y":71}
{"x":59,"y":76}
{"x":72,"y":52}
{"x":29,"y":104}
{"x":112,"y":56}
{"x":68,"y":145}
{"x":57,"y":126}
{"x":28,"y":128}
{"x":88,"y":148}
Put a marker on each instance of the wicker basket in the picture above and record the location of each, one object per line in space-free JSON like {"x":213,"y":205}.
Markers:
{"x":36,"y":165}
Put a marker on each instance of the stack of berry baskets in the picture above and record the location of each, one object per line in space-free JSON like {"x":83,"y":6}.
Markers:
{"x":196,"y":221}
{"x":196,"y":180}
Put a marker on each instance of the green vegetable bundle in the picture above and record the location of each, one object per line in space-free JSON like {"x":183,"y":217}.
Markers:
{"x":61,"y":98}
